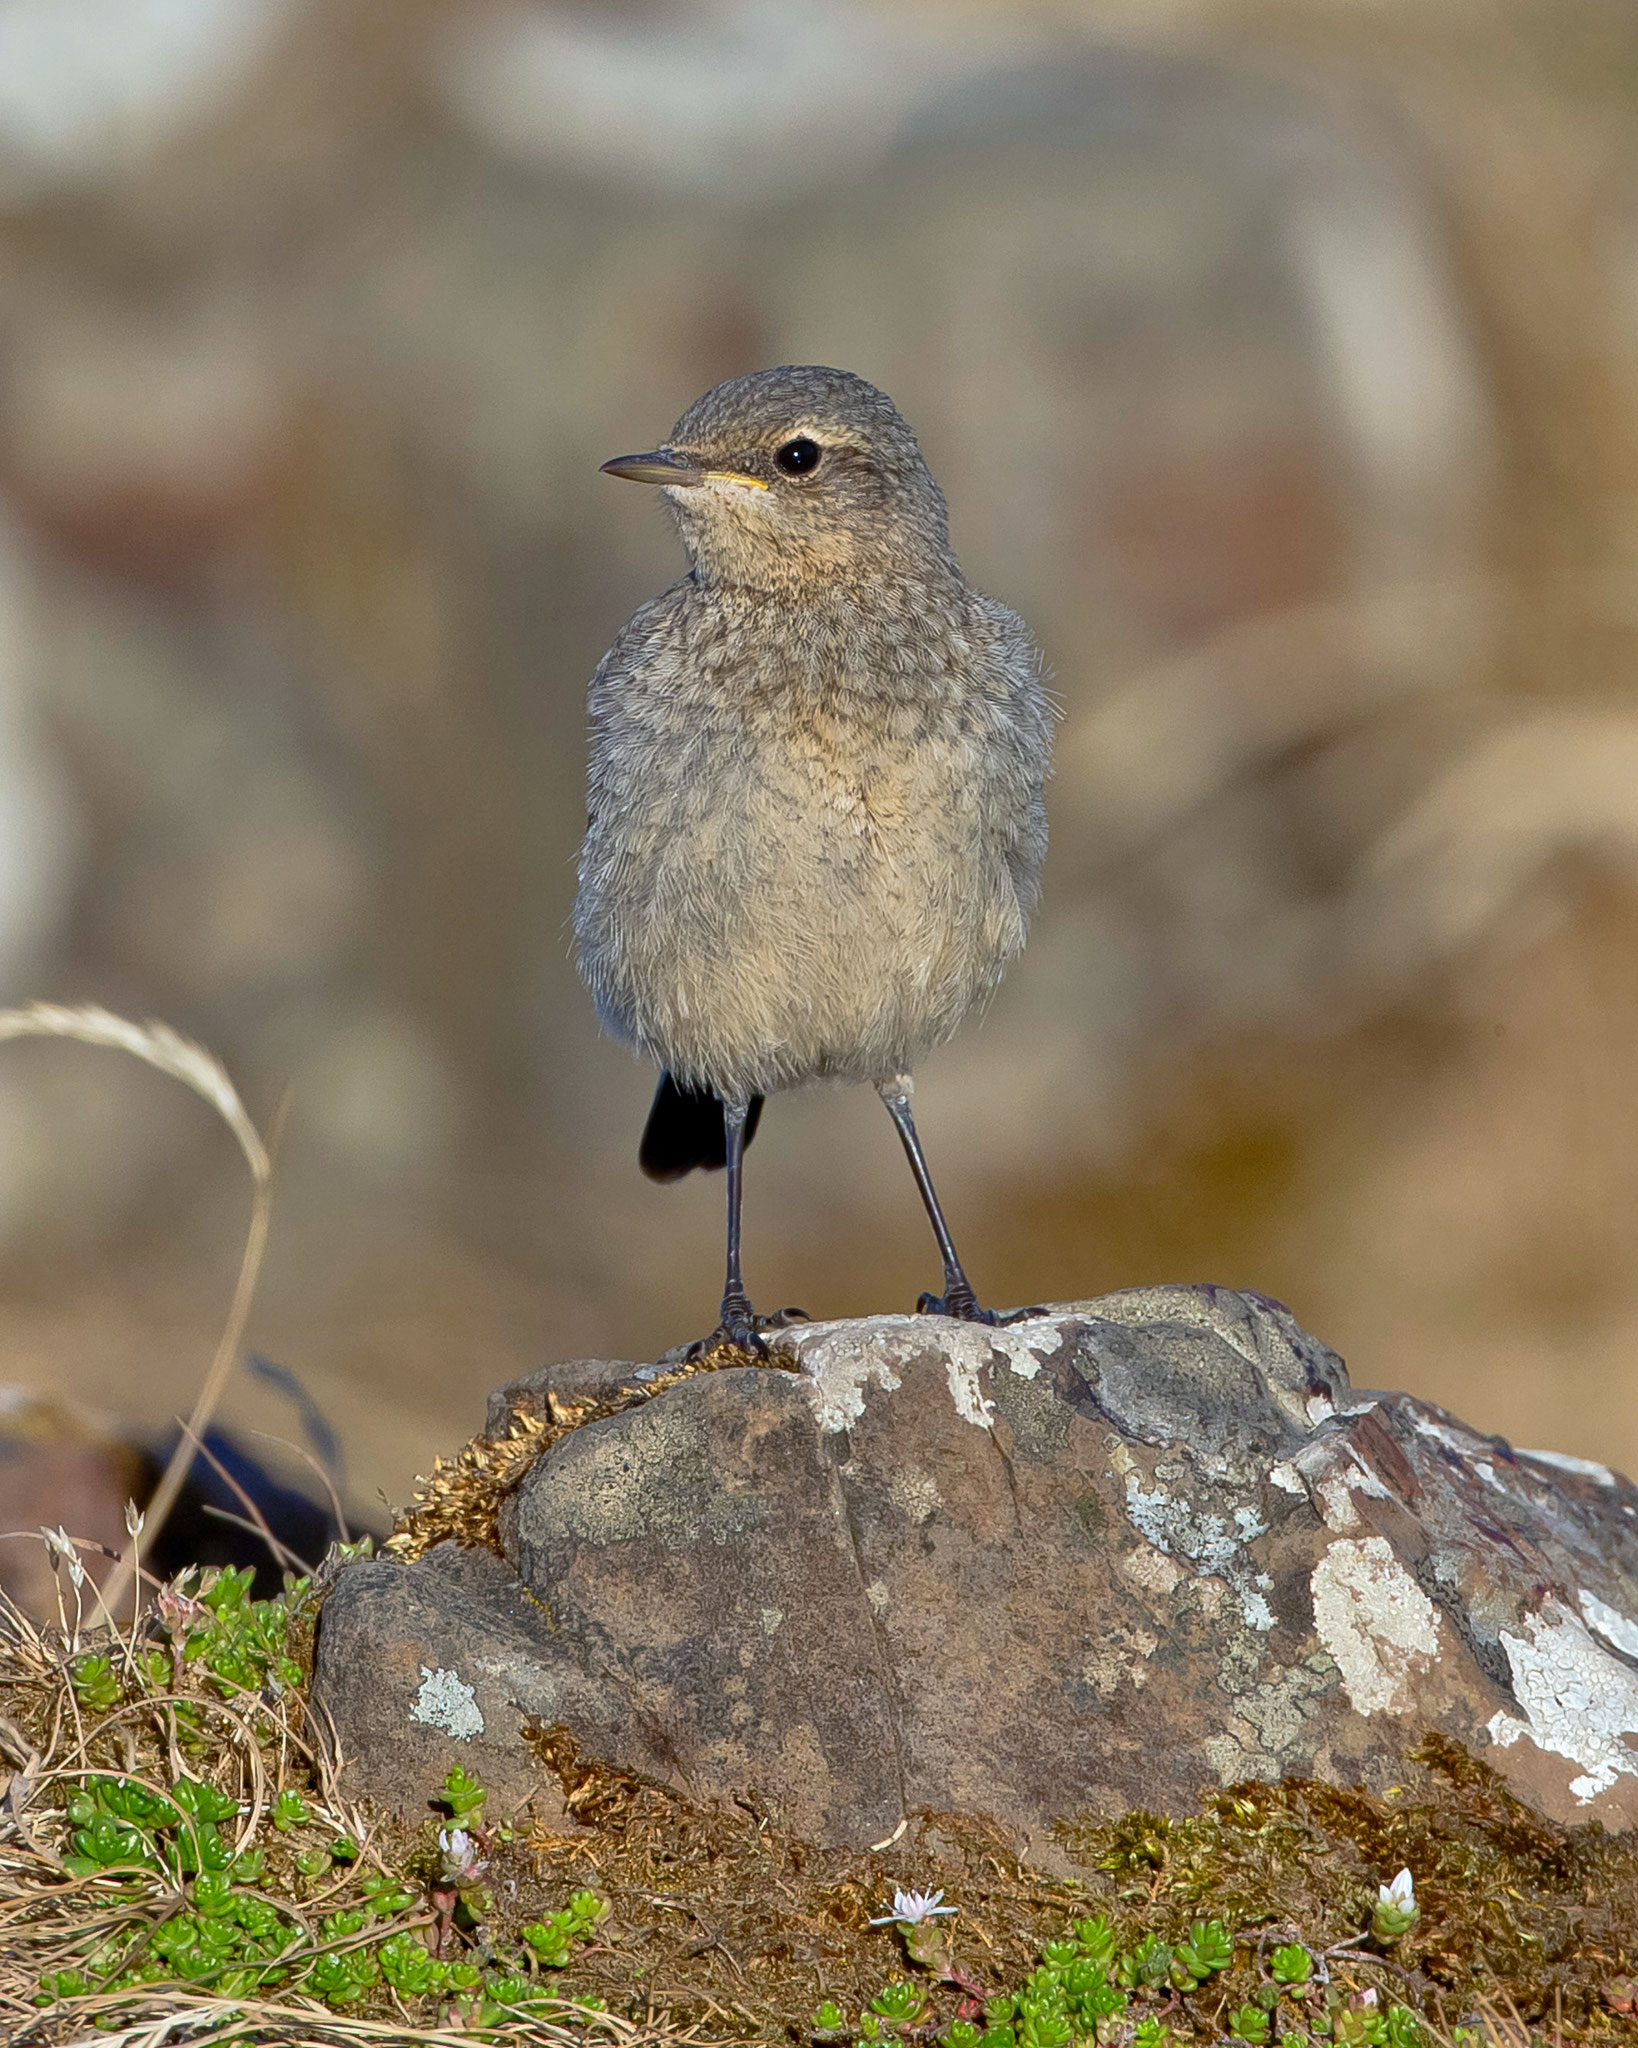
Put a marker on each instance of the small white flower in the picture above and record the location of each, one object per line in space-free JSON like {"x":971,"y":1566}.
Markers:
{"x":61,"y":1544}
{"x":1368,"y":1998}
{"x":462,"y":1861}
{"x":913,"y":1908}
{"x":1401,"y":1894}
{"x":134,"y":1519}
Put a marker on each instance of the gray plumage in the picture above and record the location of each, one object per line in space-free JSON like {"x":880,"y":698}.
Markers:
{"x":816,"y":815}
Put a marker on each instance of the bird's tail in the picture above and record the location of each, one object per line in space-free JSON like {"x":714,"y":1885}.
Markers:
{"x":685,"y":1130}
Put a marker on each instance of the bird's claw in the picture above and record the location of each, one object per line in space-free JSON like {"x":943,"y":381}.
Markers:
{"x":963,"y":1306}
{"x":731,"y":1334}
{"x":741,"y":1329}
{"x":960,"y":1303}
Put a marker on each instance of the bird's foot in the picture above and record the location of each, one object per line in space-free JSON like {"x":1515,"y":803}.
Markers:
{"x":741,"y":1330}
{"x":960,"y":1302}
{"x":957,"y":1300}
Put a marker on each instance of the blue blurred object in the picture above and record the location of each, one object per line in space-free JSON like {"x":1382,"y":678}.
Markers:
{"x":233,"y":1511}
{"x":325,"y":1444}
{"x":196,"y":1531}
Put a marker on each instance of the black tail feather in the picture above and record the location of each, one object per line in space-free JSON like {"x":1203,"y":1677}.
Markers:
{"x":684,"y":1130}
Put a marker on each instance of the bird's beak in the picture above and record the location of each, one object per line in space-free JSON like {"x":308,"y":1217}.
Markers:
{"x":659,"y":466}
{"x":662,"y":466}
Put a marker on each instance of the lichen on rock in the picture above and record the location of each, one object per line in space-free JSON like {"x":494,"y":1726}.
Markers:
{"x":1119,"y":1554}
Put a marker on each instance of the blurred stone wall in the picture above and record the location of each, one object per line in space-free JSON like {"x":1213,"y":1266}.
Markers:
{"x":1278,"y":364}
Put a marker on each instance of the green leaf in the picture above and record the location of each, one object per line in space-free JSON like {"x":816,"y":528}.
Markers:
{"x":1149,"y":1963}
{"x":1044,"y":2029}
{"x":898,"y":2002}
{"x":1250,"y":2023}
{"x":385,"y":1893}
{"x":1097,"y":1938}
{"x":290,"y":1810}
{"x":203,"y":1802}
{"x":550,"y":1943}
{"x":463,"y":1795}
{"x":1208,"y":1948}
{"x":96,"y":1684}
{"x":1291,"y":1964}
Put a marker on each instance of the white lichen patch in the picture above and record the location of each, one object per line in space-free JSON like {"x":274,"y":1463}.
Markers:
{"x":1337,"y":1475}
{"x":1614,"y":1626}
{"x":1287,"y":1478}
{"x":1025,"y":1345}
{"x":1235,"y":1757}
{"x":1211,"y":1542}
{"x":840,"y":1361}
{"x":445,"y":1700}
{"x":1267,"y":1734}
{"x":1584,"y":1468}
{"x":1578,"y":1700}
{"x":1336,"y":1503}
{"x":1463,"y":1441}
{"x":1376,"y":1622}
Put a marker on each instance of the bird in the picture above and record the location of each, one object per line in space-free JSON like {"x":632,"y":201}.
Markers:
{"x":816,"y":790}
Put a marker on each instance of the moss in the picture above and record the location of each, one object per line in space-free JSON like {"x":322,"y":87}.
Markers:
{"x":727,"y":1922}
{"x":461,"y":1498}
{"x":1514,"y":1907}
{"x":1251,"y":1920}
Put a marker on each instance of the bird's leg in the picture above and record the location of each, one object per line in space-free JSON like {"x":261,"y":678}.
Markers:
{"x":958,"y":1298}
{"x":737,"y":1325}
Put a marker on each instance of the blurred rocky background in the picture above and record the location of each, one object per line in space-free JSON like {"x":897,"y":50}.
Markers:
{"x":1280,"y":363}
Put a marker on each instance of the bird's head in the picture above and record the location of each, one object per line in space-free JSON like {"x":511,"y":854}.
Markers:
{"x":795,"y":478}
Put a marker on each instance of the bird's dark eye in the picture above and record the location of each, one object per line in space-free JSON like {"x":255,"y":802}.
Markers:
{"x":798,"y":457}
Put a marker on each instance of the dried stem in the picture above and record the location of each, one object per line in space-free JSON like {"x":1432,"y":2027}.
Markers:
{"x":161,"y":1047}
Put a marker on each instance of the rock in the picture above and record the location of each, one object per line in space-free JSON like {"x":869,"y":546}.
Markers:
{"x":1114,"y":1556}
{"x":446,"y":1661}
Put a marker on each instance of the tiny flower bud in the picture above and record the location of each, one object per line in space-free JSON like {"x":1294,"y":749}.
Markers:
{"x":1397,"y":1911}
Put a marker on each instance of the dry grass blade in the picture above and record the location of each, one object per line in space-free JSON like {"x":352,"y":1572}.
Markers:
{"x":162,"y":1048}
{"x":203,"y":2020}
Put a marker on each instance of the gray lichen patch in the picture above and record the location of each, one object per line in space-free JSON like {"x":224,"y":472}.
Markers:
{"x":447,"y":1702}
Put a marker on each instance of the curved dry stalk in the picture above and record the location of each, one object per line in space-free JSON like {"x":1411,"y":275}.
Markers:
{"x":161,"y":1047}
